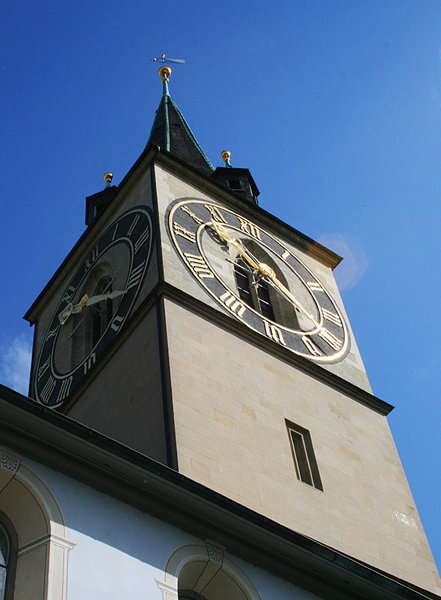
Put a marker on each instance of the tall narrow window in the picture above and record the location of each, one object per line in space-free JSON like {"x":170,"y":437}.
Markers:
{"x":259,"y":293}
{"x":253,"y":289}
{"x":88,"y":326}
{"x":303,"y":455}
{"x":102,"y":313}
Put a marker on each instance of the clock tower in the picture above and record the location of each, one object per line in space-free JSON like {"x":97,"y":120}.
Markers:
{"x":194,"y":327}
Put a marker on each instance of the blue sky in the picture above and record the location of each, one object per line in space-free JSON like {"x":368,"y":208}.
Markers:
{"x":334,"y":106}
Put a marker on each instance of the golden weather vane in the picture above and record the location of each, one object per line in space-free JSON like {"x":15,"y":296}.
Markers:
{"x":164,"y":71}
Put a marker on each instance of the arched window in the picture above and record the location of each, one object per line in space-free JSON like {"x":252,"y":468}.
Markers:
{"x":8,"y":550}
{"x":33,"y":542}
{"x":257,"y":292}
{"x":204,"y":572}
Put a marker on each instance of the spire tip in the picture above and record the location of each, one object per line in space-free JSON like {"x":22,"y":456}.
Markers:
{"x":108,"y":178}
{"x":226,"y":155}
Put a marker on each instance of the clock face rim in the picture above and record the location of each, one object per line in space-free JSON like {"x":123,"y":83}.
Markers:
{"x":326,"y":356}
{"x":67,"y":382}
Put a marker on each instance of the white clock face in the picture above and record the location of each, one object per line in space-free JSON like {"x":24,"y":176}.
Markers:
{"x":256,"y":279}
{"x":94,"y":307}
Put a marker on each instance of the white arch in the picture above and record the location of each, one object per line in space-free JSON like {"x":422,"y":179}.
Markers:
{"x":216,"y":561}
{"x":40,"y":527}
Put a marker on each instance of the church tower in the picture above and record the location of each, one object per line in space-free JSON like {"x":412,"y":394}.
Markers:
{"x":194,"y":327}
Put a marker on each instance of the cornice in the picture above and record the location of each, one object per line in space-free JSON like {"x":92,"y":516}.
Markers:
{"x":84,"y":454}
{"x":221,"y":192}
{"x":236,"y":328}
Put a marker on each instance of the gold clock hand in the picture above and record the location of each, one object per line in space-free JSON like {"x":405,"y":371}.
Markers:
{"x":225,"y":235}
{"x":263,"y":268}
{"x":65,"y":313}
{"x":94,"y":300}
{"x":267,"y":271}
{"x":72,"y":308}
{"x":77,"y":308}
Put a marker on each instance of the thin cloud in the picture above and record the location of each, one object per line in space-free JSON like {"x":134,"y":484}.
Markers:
{"x":15,"y":364}
{"x":354,"y":263}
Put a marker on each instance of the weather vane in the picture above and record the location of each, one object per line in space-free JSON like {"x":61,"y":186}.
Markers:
{"x":164,"y":60}
{"x":165,"y":72}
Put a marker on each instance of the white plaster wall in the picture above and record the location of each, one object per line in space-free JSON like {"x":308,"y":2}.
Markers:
{"x":119,"y":551}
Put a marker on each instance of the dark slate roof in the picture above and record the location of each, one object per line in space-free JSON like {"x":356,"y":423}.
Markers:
{"x":171,"y":132}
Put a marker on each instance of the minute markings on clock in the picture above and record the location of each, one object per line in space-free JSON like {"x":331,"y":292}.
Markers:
{"x":192,"y":223}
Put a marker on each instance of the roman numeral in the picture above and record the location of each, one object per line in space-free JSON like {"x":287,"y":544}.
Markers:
{"x":314,"y":286}
{"x":46,"y":392}
{"x":312,"y":348}
{"x":274,"y":333}
{"x":188,"y":235}
{"x":68,"y":294}
{"x":116,"y":323}
{"x":215,"y":213}
{"x":142,"y":238}
{"x":249,"y":228}
{"x":285,"y":255}
{"x":199,"y":265}
{"x":64,"y":389}
{"x":91,"y":258}
{"x":89,"y":363}
{"x":135,"y":276}
{"x":330,"y":338}
{"x":133,"y":225}
{"x":51,"y":333}
{"x":233,"y":304}
{"x":333,"y":317}
{"x":189,"y":212}
{"x":43,"y":368}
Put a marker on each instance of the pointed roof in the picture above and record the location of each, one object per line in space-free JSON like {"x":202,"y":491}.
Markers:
{"x":170,"y":131}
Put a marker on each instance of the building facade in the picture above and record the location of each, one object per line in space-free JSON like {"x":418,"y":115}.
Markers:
{"x":201,"y":424}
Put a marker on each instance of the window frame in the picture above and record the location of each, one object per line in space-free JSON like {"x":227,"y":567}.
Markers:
{"x":11,"y":565}
{"x":303,"y":454}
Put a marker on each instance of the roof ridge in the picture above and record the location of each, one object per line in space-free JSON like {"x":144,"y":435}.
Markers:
{"x":171,"y":131}
{"x":190,"y":133}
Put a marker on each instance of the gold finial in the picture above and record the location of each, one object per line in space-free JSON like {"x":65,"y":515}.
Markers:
{"x":108,"y":178}
{"x":164,"y":73}
{"x":226,"y":154}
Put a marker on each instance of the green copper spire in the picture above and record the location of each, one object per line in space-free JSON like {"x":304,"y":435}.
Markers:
{"x":171,"y":132}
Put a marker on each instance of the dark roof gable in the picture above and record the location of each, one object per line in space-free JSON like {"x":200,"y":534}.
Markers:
{"x":171,"y":132}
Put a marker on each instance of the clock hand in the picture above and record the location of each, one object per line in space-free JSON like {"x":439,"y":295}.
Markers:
{"x":226,"y":236}
{"x":85,"y":302}
{"x":263,"y":268}
{"x":267,"y":271}
{"x":241,"y":267}
{"x":104,"y":296}
{"x":108,"y":296}
{"x":72,"y":308}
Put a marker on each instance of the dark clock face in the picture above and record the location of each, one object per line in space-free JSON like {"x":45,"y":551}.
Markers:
{"x":256,"y":279}
{"x":94,"y":306}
